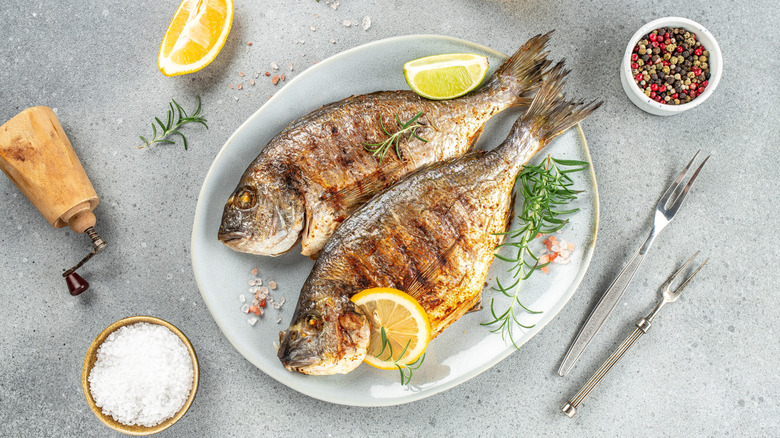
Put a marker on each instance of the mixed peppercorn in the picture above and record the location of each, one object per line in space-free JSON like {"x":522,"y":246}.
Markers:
{"x":670,"y":66}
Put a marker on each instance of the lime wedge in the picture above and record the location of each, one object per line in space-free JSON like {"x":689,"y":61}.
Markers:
{"x":446,"y":76}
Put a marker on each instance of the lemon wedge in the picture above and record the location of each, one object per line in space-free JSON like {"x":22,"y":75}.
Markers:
{"x":400,"y":329}
{"x":195,"y":36}
{"x":447,"y":76}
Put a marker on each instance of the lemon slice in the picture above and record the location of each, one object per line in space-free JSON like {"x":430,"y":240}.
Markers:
{"x":195,"y":36}
{"x":447,"y":76}
{"x":403,"y":321}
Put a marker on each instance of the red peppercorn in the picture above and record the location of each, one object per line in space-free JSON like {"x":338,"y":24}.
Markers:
{"x":675,"y":96}
{"x":696,"y":71}
{"x":654,"y":87}
{"x":662,"y":46}
{"x":639,"y":77}
{"x":704,"y":84}
{"x":679,"y":49}
{"x":693,"y":86}
{"x":654,"y":44}
{"x":634,"y":65}
{"x":653,"y":94}
{"x":666,"y":63}
{"x":636,"y":48}
{"x":652,"y":37}
{"x":698,"y":51}
{"x":634,"y":57}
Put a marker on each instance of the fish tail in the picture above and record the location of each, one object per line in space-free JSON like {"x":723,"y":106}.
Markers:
{"x":550,"y":114}
{"x":525,"y":70}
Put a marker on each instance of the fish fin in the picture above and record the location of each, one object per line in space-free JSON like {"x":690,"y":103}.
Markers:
{"x":550,"y":113}
{"x":477,"y":306}
{"x":365,"y":189}
{"x":415,"y":286}
{"x":525,"y":67}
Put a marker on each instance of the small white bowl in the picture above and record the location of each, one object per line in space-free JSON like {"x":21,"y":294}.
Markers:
{"x":715,"y":61}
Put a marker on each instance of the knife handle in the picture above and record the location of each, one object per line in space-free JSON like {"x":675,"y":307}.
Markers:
{"x":604,"y":308}
{"x":570,"y":408}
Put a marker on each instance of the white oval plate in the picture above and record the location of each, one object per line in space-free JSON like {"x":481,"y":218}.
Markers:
{"x":466,"y":348}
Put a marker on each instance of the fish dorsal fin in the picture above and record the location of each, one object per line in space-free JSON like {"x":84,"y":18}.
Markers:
{"x":415,"y":286}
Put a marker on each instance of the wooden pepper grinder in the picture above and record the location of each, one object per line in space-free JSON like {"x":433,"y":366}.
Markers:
{"x":38,"y":157}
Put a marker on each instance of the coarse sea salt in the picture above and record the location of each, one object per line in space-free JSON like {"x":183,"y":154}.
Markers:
{"x":143,"y":375}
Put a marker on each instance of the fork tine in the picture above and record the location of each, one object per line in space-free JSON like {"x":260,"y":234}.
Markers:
{"x":668,"y":282}
{"x":679,"y":200}
{"x":679,"y":289}
{"x":665,"y":198}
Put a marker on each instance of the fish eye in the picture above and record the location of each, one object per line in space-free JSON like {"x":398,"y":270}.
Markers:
{"x":244,"y":199}
{"x":313,"y":322}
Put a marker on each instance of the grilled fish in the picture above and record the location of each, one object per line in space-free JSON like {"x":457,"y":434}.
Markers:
{"x":314,"y":173}
{"x":432,"y":235}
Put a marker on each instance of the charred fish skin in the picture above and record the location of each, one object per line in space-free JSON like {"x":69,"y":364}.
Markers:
{"x":433,"y":234}
{"x":321,"y":161}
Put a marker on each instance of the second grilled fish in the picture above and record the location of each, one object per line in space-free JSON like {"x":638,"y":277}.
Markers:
{"x":313,"y":174}
{"x":432,"y":235}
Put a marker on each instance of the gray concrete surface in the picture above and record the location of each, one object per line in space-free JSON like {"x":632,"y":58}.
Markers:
{"x":708,"y":369}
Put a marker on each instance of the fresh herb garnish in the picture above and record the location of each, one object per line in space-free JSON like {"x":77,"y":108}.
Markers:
{"x":170,"y":128}
{"x":406,"y":370}
{"x":545,"y":189}
{"x":394,"y":139}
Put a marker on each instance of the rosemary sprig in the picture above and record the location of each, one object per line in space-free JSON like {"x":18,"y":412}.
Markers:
{"x":545,"y":189}
{"x":171,"y":127}
{"x":394,"y":139}
{"x":406,"y":370}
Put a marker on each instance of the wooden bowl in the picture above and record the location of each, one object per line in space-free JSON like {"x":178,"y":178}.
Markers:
{"x":91,"y":358}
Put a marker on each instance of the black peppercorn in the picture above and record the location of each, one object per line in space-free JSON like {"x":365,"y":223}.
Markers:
{"x":665,"y":66}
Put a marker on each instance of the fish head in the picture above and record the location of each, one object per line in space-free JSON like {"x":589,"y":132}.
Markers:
{"x":263,"y":218}
{"x":327,"y":336}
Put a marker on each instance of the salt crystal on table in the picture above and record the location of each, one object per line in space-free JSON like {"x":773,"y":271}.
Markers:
{"x":272,"y":285}
{"x":245,"y":308}
{"x":252,"y":320}
{"x":242,"y":298}
{"x":366,"y":22}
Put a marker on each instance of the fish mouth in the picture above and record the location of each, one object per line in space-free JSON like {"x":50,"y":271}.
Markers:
{"x":231,"y":236}
{"x":297,"y":362}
